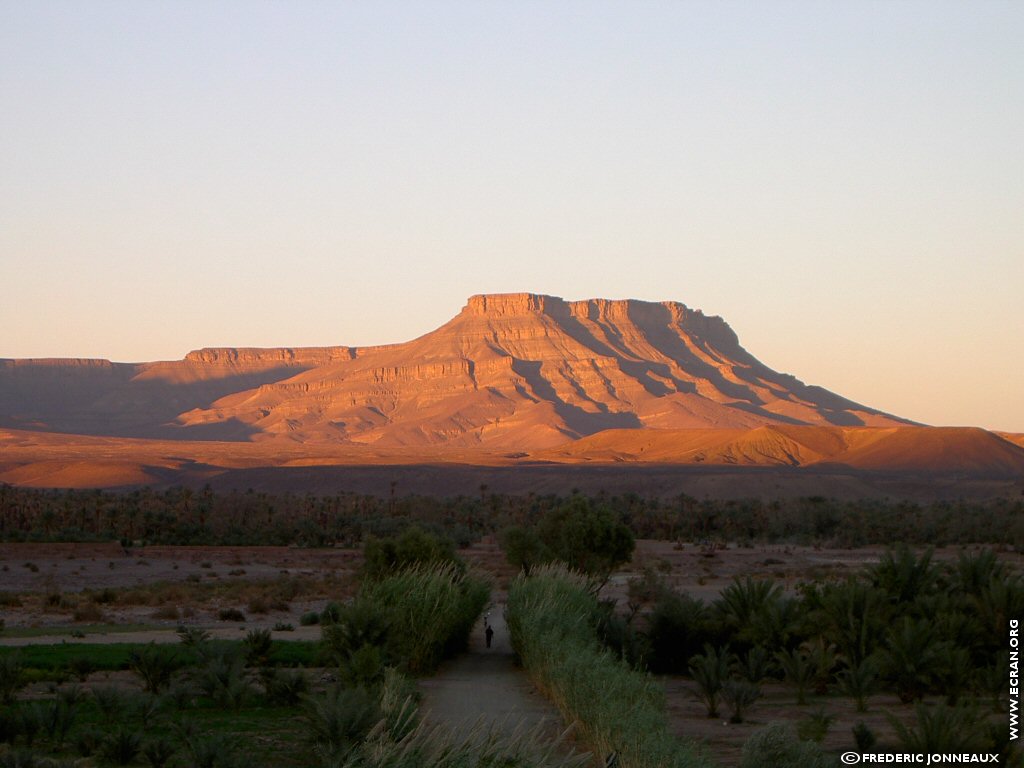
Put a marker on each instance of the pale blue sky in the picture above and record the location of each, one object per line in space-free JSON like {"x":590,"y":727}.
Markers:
{"x":843,"y":182}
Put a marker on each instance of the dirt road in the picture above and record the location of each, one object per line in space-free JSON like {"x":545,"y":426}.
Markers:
{"x":484,"y":687}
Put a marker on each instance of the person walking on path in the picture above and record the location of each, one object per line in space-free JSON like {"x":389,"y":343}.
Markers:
{"x":488,"y":634}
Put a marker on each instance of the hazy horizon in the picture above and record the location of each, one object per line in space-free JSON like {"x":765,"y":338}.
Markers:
{"x":843,"y":184}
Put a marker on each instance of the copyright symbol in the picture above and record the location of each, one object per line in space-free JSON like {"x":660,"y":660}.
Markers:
{"x":850,"y":758}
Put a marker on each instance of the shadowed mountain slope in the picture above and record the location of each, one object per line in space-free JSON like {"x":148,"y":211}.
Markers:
{"x":511,"y":371}
{"x":897,"y":449}
{"x":515,"y":381}
{"x":522,"y":371}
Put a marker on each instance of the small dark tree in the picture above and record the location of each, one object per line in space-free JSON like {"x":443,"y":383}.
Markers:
{"x":413,"y":547}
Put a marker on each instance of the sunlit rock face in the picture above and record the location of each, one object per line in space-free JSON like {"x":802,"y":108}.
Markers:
{"x":527,"y":371}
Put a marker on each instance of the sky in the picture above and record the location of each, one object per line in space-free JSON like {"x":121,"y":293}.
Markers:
{"x":842,"y":182}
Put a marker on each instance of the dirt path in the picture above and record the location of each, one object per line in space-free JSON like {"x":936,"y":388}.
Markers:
{"x":483,"y":686}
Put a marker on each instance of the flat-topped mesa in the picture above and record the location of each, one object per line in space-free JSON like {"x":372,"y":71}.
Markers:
{"x":518,"y":371}
{"x":280,"y":355}
{"x":503,"y":304}
{"x":646,"y":314}
{"x":57,"y":362}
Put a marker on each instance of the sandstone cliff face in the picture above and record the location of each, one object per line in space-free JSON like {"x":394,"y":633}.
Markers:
{"x":510,"y":371}
{"x":525,"y":371}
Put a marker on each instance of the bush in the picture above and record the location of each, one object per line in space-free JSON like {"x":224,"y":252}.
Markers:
{"x":740,"y":695}
{"x":257,"y":644}
{"x":863,"y":737}
{"x":222,"y":678}
{"x":155,"y":665}
{"x":230,"y":614}
{"x":340,"y":719}
{"x":158,"y":751}
{"x":941,"y":728}
{"x":81,"y":667}
{"x":309,"y":619}
{"x":710,"y":671}
{"x":777,"y":746}
{"x":679,"y":626}
{"x":122,"y":746}
{"x":12,"y":677}
{"x":284,"y":686}
{"x":815,"y":726}
{"x":587,"y":537}
{"x":414,"y":547}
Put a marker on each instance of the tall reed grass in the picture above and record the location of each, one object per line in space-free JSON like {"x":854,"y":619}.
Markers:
{"x":435,"y":746}
{"x":429,"y":610}
{"x":551,"y":617}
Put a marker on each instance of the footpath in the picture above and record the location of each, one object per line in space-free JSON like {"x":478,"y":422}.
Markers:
{"x":484,"y":687}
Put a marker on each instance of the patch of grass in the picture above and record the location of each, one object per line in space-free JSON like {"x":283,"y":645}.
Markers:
{"x":114,"y":656}
{"x":88,"y":629}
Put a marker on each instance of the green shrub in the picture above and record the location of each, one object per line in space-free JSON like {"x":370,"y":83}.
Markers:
{"x":257,"y":644}
{"x":941,"y":728}
{"x":815,"y":726}
{"x":678,"y":628}
{"x":10,"y":725}
{"x":155,"y":665}
{"x":81,"y":667}
{"x":777,"y":746}
{"x":859,"y":682}
{"x":864,"y":738}
{"x":414,"y":547}
{"x":193,"y":637}
{"x":740,"y":695}
{"x":112,"y":702}
{"x":797,"y":670}
{"x":284,"y":686}
{"x":339,"y":720}
{"x":158,"y":751}
{"x":12,"y":677}
{"x":122,"y":746}
{"x":230,"y":614}
{"x":710,"y":671}
{"x":222,"y":677}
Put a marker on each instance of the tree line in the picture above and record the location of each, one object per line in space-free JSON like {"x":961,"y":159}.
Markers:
{"x":185,"y":516}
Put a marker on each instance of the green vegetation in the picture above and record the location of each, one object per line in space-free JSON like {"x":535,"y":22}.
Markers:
{"x":184,"y":516}
{"x":552,"y":618}
{"x":55,"y":662}
{"x":414,"y":546}
{"x":413,"y":618}
{"x":222,"y":704}
{"x":587,"y":538}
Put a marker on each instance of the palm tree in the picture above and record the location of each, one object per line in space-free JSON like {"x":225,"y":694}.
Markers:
{"x":911,"y":657}
{"x":710,"y":670}
{"x":744,"y":604}
{"x":904,"y":576}
{"x":797,"y":669}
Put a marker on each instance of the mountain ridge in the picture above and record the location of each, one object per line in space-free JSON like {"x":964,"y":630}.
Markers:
{"x":516,"y":371}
